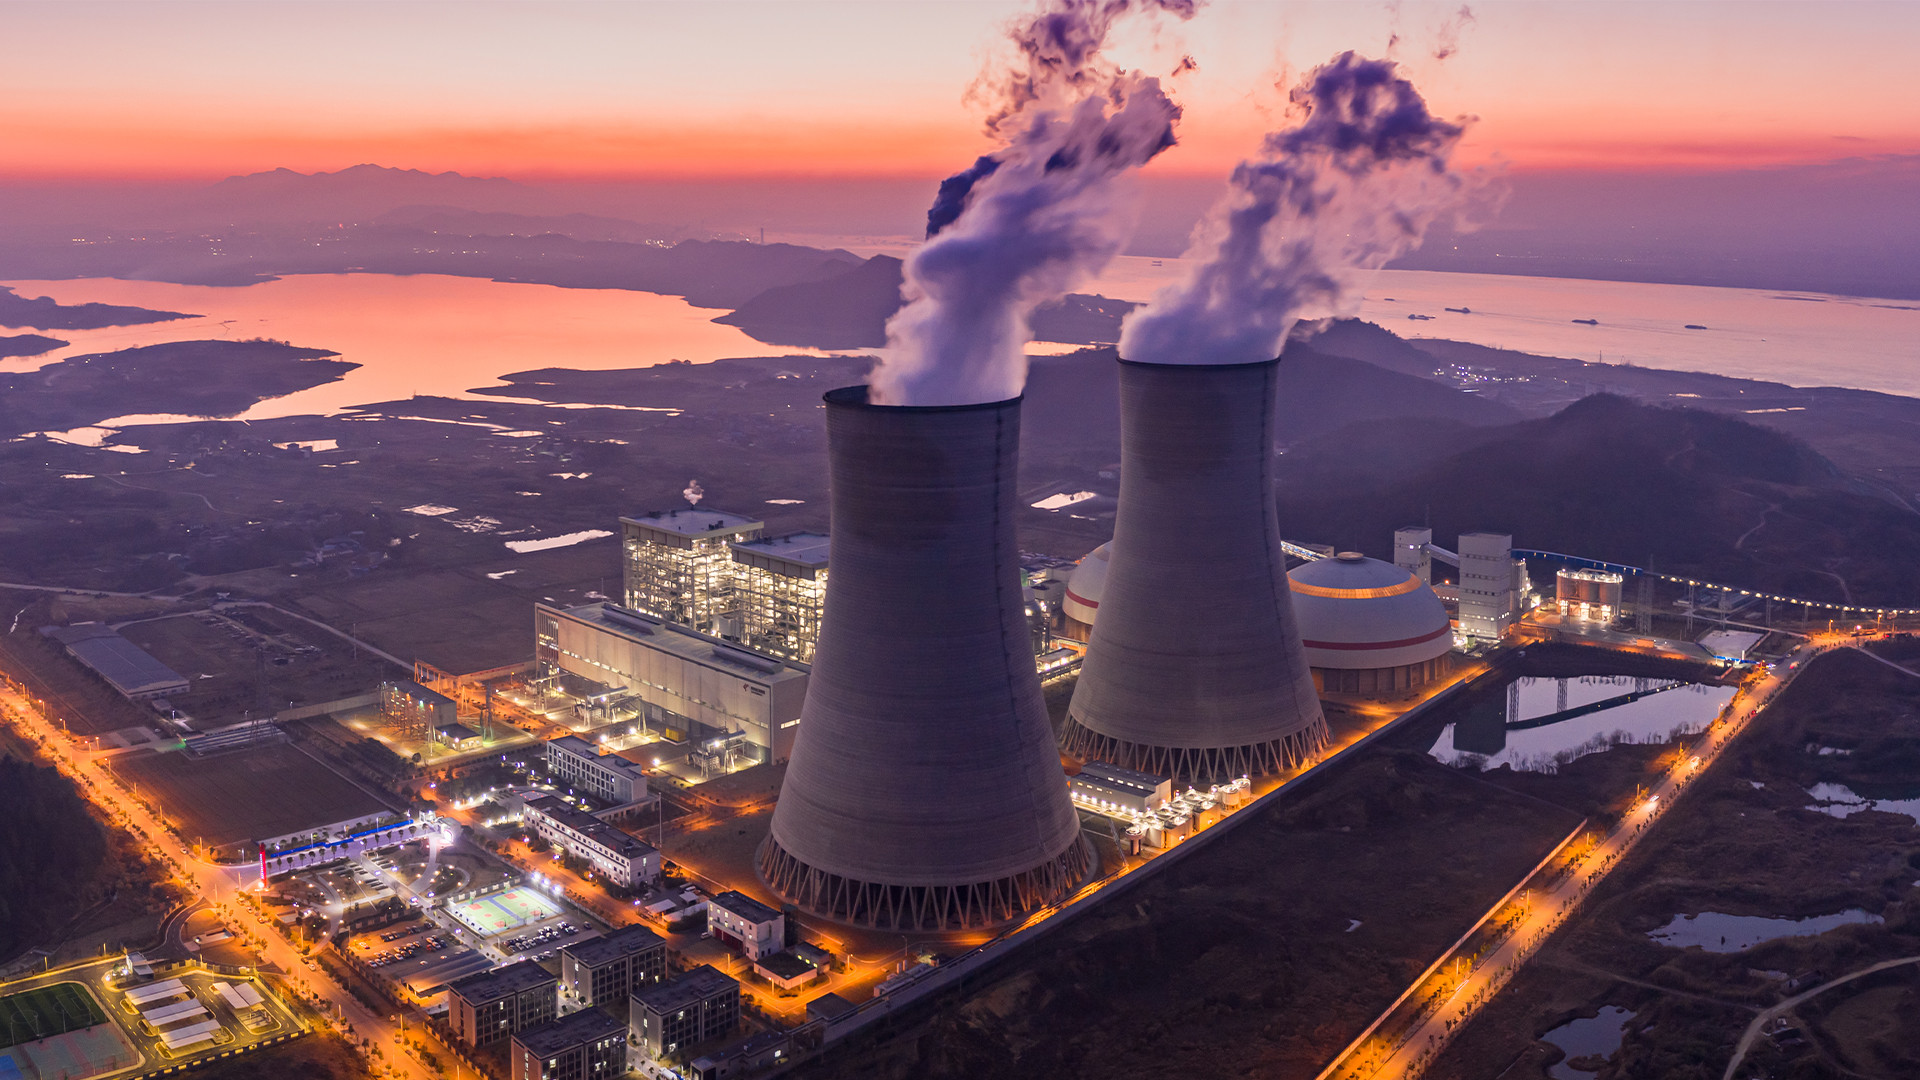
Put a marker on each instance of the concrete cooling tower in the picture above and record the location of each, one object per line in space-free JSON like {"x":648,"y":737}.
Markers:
{"x":1194,"y":668}
{"x":925,"y":791}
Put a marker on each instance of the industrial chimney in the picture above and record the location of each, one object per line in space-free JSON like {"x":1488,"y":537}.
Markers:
{"x":925,"y":791}
{"x":1194,"y":668}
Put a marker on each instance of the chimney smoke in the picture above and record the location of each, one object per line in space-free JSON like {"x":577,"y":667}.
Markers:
{"x":1029,"y":222}
{"x":1353,"y":185}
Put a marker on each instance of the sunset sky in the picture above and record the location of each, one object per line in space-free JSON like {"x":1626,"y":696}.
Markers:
{"x":606,"y":90}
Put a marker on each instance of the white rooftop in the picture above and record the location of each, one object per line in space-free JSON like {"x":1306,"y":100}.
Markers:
{"x":805,"y":549}
{"x":694,"y":523}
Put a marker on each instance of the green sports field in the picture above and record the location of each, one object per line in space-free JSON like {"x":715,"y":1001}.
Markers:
{"x":46,"y":1011}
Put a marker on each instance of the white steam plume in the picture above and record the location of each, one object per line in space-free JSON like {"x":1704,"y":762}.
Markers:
{"x":1027,"y":223}
{"x":1352,"y":186}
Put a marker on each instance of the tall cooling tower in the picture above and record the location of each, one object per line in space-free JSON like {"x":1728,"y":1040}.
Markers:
{"x":925,"y":790}
{"x":1194,"y":668}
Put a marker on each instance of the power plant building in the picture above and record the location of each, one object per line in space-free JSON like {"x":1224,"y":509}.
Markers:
{"x":679,"y":563}
{"x":1085,"y":586}
{"x":694,"y":687}
{"x":1588,"y":596}
{"x":1493,"y":585}
{"x":779,"y":593}
{"x":1194,"y":668}
{"x":927,"y":793}
{"x":1370,"y":627}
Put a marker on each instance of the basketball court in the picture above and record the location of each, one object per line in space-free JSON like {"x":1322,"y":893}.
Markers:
{"x":490,"y":916}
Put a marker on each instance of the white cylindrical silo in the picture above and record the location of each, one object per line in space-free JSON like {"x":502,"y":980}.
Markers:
{"x":1194,"y":668}
{"x":925,"y":790}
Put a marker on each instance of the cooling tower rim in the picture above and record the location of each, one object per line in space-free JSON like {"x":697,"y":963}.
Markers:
{"x":855,"y":397}
{"x":1196,"y":367}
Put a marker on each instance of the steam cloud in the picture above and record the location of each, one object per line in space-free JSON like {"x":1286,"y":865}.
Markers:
{"x":1352,"y":186}
{"x":694,"y":493}
{"x":1029,"y":222}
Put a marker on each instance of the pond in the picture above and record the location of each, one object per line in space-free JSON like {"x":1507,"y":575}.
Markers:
{"x":1842,"y":801}
{"x":1591,"y":1036}
{"x":1719,"y":933}
{"x":1503,"y":730}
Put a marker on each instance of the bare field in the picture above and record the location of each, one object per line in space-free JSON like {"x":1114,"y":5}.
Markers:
{"x":254,"y":792}
{"x":249,"y":661}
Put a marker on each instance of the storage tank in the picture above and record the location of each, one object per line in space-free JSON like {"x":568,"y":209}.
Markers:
{"x":925,"y":791}
{"x":1194,"y":667}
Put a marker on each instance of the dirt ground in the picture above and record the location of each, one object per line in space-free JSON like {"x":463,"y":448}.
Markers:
{"x":1744,"y":842}
{"x":256,"y":791}
{"x":1261,"y":955}
{"x":245,"y":661}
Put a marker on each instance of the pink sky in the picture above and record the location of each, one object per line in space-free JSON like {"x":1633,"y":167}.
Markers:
{"x":878,"y":88}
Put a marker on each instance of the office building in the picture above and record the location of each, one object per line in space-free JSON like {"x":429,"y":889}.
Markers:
{"x":589,"y":1045}
{"x":622,"y":858}
{"x":611,"y":967}
{"x":578,"y":764}
{"x":685,"y":1011}
{"x":486,"y":1008}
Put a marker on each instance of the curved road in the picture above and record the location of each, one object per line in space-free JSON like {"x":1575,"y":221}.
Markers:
{"x":1760,"y":1022}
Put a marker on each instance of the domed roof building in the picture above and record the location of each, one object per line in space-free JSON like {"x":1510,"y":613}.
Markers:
{"x":1369,"y":627}
{"x":1084,"y":586}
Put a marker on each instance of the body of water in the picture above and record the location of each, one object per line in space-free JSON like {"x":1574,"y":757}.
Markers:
{"x":1842,"y":802}
{"x":423,"y":334}
{"x":1485,"y":732}
{"x":1590,"y":1036}
{"x":1802,"y":339}
{"x":1715,"y":932}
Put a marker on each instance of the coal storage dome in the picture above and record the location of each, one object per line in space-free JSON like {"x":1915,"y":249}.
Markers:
{"x":1369,"y":627}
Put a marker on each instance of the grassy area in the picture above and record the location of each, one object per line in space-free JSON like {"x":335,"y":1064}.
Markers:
{"x":258,"y":791}
{"x":46,"y":1011}
{"x":1748,"y":840}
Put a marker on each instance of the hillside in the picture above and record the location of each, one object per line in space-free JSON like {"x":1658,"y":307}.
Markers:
{"x":46,"y":313}
{"x":1680,"y":491}
{"x":850,"y":311}
{"x":51,"y":854}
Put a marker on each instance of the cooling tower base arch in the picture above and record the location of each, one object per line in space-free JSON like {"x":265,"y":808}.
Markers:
{"x":923,"y":908}
{"x":1196,"y":765}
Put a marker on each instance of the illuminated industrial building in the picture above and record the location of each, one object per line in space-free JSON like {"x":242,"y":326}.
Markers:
{"x":780,"y":588}
{"x":1493,"y":585}
{"x":1085,"y":586}
{"x":1369,"y":627}
{"x":686,"y":687}
{"x":1588,"y":596}
{"x":680,"y":566}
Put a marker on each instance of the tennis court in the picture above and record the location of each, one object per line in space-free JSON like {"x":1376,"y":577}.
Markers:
{"x":78,"y":1054}
{"x":45,"y":1011}
{"x":501,"y":912}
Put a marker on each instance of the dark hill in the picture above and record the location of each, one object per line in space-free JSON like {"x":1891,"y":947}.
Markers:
{"x":850,"y":311}
{"x":46,"y":313}
{"x":52,"y":853}
{"x":1680,"y":491}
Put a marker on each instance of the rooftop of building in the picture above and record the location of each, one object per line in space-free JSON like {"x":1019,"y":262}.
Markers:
{"x":830,"y":1006}
{"x":1352,"y":576}
{"x":687,"y":644}
{"x":580,"y":747}
{"x":627,"y":844}
{"x":746,"y":907}
{"x":131,"y":669}
{"x":753,"y":1045}
{"x":414,"y":691}
{"x":806,"y":550}
{"x":1145,"y":783}
{"x":1593,"y":575}
{"x":625,"y":941}
{"x":456,"y":732}
{"x":502,"y":982}
{"x":784,"y":965}
{"x":694,"y":523}
{"x":556,"y":1036}
{"x":695,"y":986}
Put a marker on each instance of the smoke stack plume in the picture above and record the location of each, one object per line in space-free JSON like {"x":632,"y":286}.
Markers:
{"x":1034,"y":219}
{"x":1355,"y":184}
{"x":694,"y":493}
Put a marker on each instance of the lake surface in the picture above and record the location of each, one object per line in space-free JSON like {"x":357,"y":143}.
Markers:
{"x":423,"y":334}
{"x":1585,"y":1037}
{"x":444,"y":335}
{"x":1718,"y":933}
{"x":1484,"y":733}
{"x":1802,"y":339}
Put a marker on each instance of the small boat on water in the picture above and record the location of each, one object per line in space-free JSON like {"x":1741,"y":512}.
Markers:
{"x":1156,"y":262}
{"x":1695,"y":326}
{"x":1421,"y":318}
{"x":1588,"y":322}
{"x":1461,"y":310}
